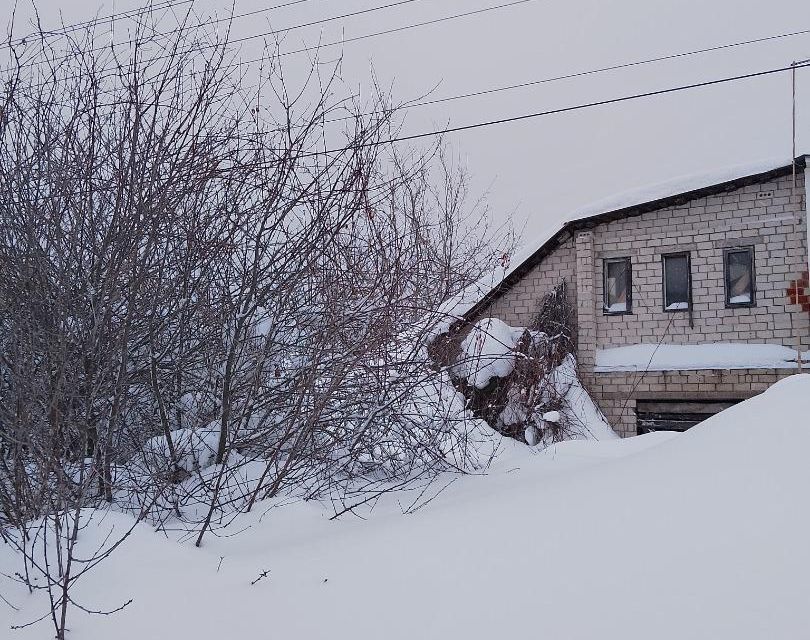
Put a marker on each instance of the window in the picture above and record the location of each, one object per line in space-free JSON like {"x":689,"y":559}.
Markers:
{"x":677,"y":282}
{"x":739,"y":265}
{"x":618,"y":272}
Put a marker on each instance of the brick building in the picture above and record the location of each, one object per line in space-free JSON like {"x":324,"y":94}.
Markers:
{"x":666,"y":285}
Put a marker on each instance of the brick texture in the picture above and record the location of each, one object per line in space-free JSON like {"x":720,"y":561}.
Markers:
{"x":519,"y":305}
{"x":770,"y":217}
{"x":617,"y":392}
{"x":586,"y":313}
{"x":774,"y":226}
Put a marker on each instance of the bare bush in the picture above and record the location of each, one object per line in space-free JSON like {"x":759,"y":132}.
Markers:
{"x":528,"y":402}
{"x":211,"y":294}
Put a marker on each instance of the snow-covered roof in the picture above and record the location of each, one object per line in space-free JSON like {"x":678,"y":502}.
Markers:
{"x":682,"y":185}
{"x":627,"y":203}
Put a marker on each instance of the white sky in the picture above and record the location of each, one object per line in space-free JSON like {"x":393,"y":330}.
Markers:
{"x":540,"y":169}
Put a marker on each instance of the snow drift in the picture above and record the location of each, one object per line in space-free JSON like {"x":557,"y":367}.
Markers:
{"x":699,"y":535}
{"x":544,"y":392}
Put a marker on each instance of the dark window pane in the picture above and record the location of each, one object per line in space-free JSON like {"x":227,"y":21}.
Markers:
{"x":740,"y":277}
{"x":616,"y":286}
{"x":676,"y":282}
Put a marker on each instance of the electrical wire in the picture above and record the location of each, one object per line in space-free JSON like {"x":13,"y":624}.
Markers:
{"x":615,"y":67}
{"x":590,"y":72}
{"x":121,"y":15}
{"x":549,"y":112}
{"x":264,"y":34}
{"x":243,"y":63}
{"x":577,"y":107}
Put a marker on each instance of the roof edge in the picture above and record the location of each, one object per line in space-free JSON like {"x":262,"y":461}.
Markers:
{"x":576,"y":224}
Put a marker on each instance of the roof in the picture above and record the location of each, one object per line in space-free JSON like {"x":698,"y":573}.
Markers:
{"x":660,"y":196}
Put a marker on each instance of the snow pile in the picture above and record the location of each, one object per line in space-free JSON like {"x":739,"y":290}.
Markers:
{"x":195,"y":448}
{"x":587,"y":421}
{"x":488,"y":352}
{"x":540,"y":397}
{"x":701,"y":535}
{"x":578,"y":414}
{"x":717,"y":355}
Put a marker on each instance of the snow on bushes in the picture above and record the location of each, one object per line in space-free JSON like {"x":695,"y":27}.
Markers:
{"x":524,"y":382}
{"x":195,"y":449}
{"x":424,"y":425}
{"x":467,"y":441}
{"x":552,"y":408}
{"x":487,"y":352}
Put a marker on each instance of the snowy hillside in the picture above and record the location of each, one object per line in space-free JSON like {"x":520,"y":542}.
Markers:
{"x":700,"y":535}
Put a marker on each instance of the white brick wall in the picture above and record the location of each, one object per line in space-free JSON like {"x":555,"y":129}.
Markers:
{"x":617,"y":393}
{"x":519,"y":305}
{"x":774,"y":226}
{"x":586,"y":313}
{"x":773,"y":223}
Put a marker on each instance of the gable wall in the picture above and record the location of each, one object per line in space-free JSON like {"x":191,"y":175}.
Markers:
{"x":519,"y":305}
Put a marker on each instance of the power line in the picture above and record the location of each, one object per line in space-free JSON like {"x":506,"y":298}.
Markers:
{"x":521,"y":85}
{"x":134,"y":13}
{"x":264,"y":34}
{"x":385,"y":6}
{"x":577,"y":74}
{"x":585,"y":73}
{"x":131,"y":13}
{"x":242,"y":63}
{"x":567,"y":76}
{"x":550,"y":112}
{"x":615,"y":67}
{"x":589,"y":72}
{"x":407,"y":27}
{"x":578,"y":107}
{"x":409,"y":105}
{"x":376,"y":34}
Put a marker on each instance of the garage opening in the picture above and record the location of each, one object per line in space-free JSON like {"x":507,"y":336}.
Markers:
{"x":675,"y":415}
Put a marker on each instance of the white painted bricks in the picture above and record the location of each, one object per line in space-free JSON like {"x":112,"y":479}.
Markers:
{"x":779,"y":237}
{"x":586,"y":312}
{"x":769,"y":216}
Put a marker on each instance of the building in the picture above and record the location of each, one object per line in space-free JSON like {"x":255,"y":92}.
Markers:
{"x":689,"y":298}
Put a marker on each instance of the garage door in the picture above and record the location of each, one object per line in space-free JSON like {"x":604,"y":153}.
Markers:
{"x":675,"y":415}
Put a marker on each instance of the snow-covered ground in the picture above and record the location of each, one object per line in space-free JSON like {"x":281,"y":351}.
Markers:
{"x":698,"y":535}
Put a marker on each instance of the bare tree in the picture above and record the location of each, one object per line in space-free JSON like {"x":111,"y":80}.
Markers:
{"x":212,"y":293}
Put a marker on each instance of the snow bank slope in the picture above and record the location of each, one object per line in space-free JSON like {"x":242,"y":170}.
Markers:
{"x":701,"y":535}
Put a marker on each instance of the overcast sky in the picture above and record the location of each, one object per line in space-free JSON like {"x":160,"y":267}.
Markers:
{"x":540,"y":169}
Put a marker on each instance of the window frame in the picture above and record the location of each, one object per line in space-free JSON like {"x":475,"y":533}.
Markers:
{"x":629,"y":283}
{"x":676,"y":254}
{"x":752,"y":253}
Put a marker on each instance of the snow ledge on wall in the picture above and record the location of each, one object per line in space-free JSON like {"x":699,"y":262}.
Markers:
{"x":693,"y":357}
